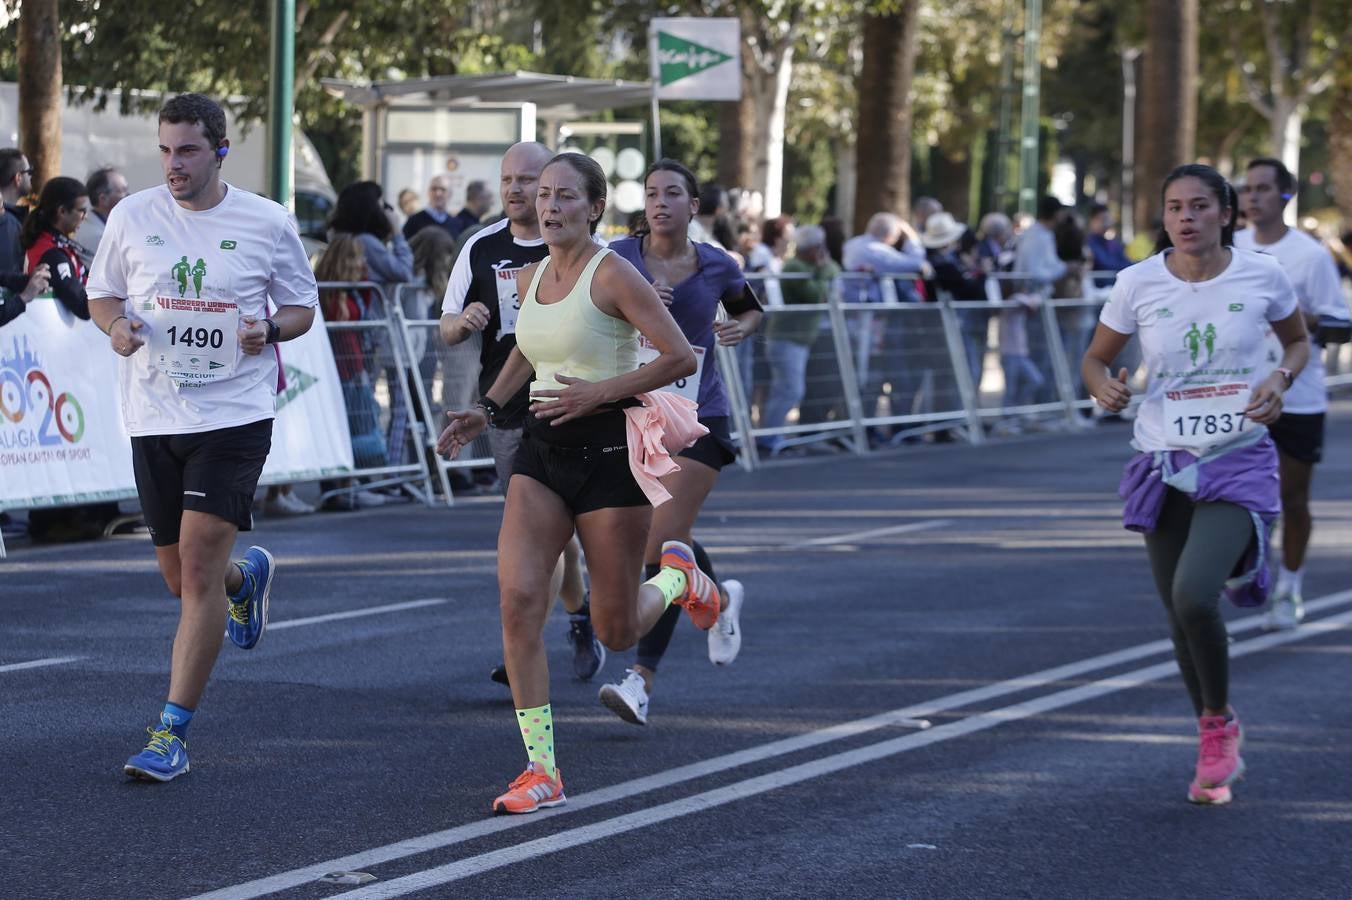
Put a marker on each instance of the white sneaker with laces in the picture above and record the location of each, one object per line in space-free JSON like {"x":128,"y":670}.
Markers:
{"x":1284,"y":613}
{"x":368,"y":499}
{"x":725,"y":638}
{"x":294,"y":505}
{"x":628,"y":699}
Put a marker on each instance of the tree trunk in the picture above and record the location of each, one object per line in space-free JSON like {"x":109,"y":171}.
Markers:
{"x":883,"y":147}
{"x":1168,"y":100}
{"x":1340,"y":137}
{"x":1286,"y":123}
{"x":40,"y":88}
{"x":776,"y":111}
{"x":737,"y":133}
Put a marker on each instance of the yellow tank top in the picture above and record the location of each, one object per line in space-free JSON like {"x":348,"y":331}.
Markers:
{"x":571,"y":336}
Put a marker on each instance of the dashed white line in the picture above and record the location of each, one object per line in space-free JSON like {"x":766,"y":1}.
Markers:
{"x":354,"y":613}
{"x":573,"y":837}
{"x":873,"y":532}
{"x":39,"y":663}
{"x":484,"y":827}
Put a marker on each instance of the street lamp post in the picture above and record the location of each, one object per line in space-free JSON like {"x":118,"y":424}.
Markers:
{"x":1127,"y":219}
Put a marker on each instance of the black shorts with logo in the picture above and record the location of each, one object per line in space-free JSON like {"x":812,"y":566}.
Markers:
{"x":1300,"y":436}
{"x":212,"y":472}
{"x":715,"y":449}
{"x":585,"y":461}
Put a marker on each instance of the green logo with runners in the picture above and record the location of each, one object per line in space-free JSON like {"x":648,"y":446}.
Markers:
{"x":1193,"y":341}
{"x":679,"y":58}
{"x":181,"y":271}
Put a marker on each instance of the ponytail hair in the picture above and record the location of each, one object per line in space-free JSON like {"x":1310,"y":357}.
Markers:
{"x":57,"y":193}
{"x":1221,"y":189}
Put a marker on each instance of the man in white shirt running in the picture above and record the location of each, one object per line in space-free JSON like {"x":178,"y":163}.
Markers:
{"x":1299,"y":432}
{"x":198,"y":388}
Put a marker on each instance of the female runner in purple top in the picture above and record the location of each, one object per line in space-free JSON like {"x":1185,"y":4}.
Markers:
{"x":692,"y":279}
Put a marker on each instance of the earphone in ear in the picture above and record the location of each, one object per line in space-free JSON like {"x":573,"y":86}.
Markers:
{"x":221,"y":151}
{"x":1286,"y":196}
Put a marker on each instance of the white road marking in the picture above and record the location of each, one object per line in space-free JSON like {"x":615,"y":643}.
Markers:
{"x":873,"y":532}
{"x":624,"y":790}
{"x":533,"y":850}
{"x":39,"y":663}
{"x":354,"y":613}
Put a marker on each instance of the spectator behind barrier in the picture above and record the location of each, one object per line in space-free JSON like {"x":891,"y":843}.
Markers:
{"x":362,"y":212}
{"x":790,"y":335}
{"x":16,"y":181}
{"x":1105,"y":247}
{"x":478,"y":201}
{"x":874,"y":252}
{"x":61,"y":208}
{"x":438,"y":193}
{"x":106,"y":187}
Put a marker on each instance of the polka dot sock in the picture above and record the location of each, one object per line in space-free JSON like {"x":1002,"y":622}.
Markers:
{"x":537,"y":732}
{"x":670,"y":583}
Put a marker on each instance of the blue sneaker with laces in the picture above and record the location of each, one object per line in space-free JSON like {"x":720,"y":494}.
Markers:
{"x":249,"y":608}
{"x":164,"y":758}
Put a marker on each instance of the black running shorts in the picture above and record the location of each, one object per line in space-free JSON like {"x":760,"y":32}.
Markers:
{"x":1300,"y":436}
{"x":585,"y":461}
{"x":213,"y":472}
{"x":715,"y":449}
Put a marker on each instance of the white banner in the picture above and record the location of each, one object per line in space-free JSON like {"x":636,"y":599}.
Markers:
{"x":696,"y":59}
{"x":61,"y":435}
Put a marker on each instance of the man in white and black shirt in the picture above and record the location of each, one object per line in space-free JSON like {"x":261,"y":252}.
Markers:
{"x":181,"y":285}
{"x":1299,"y":432}
{"x":481,"y":298}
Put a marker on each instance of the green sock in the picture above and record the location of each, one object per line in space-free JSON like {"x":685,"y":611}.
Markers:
{"x":537,"y":731}
{"x":670,"y":582}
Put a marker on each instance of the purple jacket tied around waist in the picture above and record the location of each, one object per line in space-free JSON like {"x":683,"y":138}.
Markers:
{"x":1243,"y":473}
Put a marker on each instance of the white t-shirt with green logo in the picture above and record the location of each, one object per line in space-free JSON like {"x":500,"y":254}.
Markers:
{"x":1204,"y":344}
{"x":199,"y":265}
{"x":1315,"y":277}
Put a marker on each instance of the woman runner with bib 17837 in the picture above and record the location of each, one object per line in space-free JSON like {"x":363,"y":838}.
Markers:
{"x":582,"y":311}
{"x":693,"y":279}
{"x":1203,"y":484}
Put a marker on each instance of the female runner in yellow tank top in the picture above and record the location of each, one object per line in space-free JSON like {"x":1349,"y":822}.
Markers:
{"x":582,"y":310}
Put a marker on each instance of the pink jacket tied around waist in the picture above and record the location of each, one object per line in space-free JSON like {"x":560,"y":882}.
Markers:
{"x":664,"y":425}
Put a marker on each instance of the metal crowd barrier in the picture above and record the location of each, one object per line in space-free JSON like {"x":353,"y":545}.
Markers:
{"x":372,"y":356}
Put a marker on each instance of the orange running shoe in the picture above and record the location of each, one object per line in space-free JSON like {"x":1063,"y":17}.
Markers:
{"x":532,"y":790}
{"x":701,"y":598}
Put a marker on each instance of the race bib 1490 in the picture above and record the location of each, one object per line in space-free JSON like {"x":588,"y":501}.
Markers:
{"x":192,"y":340}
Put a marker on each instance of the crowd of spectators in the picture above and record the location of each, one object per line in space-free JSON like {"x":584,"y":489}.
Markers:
{"x":1011,"y":267}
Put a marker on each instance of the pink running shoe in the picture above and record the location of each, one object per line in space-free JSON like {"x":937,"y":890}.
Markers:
{"x":1203,"y":796}
{"x":702,"y":600}
{"x":1218,"y":761}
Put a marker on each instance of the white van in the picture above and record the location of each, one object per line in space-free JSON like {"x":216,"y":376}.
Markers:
{"x":91,"y":139}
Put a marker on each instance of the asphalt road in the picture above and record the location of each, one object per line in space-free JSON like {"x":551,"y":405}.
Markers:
{"x":987,"y":592}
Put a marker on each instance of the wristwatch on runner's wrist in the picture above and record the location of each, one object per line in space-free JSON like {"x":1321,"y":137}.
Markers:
{"x":1287,"y":375}
{"x":274,"y":331}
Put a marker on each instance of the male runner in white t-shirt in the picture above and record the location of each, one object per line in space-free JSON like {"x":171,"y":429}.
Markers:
{"x":1299,"y":432}
{"x":181,"y":286}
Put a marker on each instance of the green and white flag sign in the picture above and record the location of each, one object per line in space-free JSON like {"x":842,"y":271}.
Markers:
{"x":697,"y":59}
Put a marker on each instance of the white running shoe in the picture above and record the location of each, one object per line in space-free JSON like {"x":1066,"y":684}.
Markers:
{"x":1284,"y":613}
{"x":628,"y":699}
{"x":725,"y":638}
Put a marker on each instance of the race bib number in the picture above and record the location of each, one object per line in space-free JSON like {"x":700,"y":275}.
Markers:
{"x":1196,"y":418}
{"x":687,"y":387}
{"x":509,"y":304}
{"x":192,"y":340}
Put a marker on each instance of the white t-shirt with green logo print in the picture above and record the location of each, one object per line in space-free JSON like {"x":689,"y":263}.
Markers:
{"x":241,"y":252}
{"x":1198,"y":338}
{"x":1315,"y":277}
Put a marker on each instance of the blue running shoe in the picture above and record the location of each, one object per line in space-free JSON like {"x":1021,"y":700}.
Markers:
{"x":164,"y":758}
{"x":249,"y":611}
{"x":589,"y":655}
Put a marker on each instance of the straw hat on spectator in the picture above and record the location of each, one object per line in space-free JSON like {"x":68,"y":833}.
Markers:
{"x":941,"y":229}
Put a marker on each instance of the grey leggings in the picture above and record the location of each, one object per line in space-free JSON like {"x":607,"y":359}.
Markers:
{"x":1193,"y":550}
